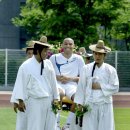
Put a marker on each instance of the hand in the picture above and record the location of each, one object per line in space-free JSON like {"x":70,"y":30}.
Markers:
{"x":80,"y":107}
{"x":56,"y":106}
{"x":55,"y":101}
{"x":21,"y":106}
{"x":62,"y":79}
{"x":79,"y":110}
{"x":15,"y":107}
{"x":96,"y":86}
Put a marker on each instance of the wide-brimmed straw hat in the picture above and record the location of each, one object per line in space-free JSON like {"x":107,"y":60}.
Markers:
{"x":87,"y":55}
{"x":43,"y":41}
{"x":100,"y":47}
{"x":30,"y":45}
{"x":82,"y":51}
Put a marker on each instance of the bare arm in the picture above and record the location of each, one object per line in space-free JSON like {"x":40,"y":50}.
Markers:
{"x":96,"y":86}
{"x":65,"y":79}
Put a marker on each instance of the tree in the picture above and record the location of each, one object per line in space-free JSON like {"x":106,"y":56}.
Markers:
{"x":78,"y":19}
{"x":121,"y":27}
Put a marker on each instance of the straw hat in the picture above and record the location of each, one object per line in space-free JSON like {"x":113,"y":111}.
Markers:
{"x":87,"y":55}
{"x":43,"y":41}
{"x":100,"y":47}
{"x":30,"y":45}
{"x":82,"y":51}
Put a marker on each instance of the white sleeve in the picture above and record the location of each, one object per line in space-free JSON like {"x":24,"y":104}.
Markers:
{"x":113,"y":85}
{"x":53,"y":82}
{"x":52,"y":59}
{"x":81,"y":63}
{"x":19,"y":91}
{"x":13,"y":100}
{"x":81,"y":89}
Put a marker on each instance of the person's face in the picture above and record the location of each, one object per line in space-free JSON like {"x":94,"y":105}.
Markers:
{"x":98,"y":57}
{"x":82,"y":50}
{"x":68,"y":46}
{"x":87,"y":60}
{"x":29,"y":53}
{"x":44,"y":53}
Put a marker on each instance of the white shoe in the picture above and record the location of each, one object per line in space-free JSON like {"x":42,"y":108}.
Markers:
{"x":66,"y":127}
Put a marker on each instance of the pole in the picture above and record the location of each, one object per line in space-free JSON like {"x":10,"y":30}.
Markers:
{"x":6,"y":67}
{"x":116,"y":52}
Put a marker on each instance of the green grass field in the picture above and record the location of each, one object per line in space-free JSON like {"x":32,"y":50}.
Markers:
{"x":8,"y":117}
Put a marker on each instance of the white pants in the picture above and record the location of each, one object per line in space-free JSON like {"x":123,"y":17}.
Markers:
{"x":74,"y":126}
{"x":21,"y":121}
{"x":40,"y":115}
{"x":100,"y":118}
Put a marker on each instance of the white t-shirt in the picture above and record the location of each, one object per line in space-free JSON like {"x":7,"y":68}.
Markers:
{"x":68,"y":67}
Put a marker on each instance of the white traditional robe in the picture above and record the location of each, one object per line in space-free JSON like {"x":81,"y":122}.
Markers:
{"x":35,"y":89}
{"x":101,"y":116}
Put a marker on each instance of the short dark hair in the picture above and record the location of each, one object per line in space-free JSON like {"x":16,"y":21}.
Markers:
{"x":27,"y":49}
{"x":88,"y":58}
{"x":38,"y":47}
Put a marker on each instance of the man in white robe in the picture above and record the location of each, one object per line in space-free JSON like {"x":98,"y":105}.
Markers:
{"x":21,"y":120}
{"x":67,"y":66}
{"x":36,"y":89}
{"x":98,"y":82}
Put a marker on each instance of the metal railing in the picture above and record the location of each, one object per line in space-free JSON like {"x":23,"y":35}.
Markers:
{"x":10,"y":60}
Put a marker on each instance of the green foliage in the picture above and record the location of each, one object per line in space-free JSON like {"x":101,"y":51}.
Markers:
{"x":80,"y":112}
{"x":77,"y":19}
{"x":30,"y":18}
{"x":121,"y":27}
{"x":56,"y":107}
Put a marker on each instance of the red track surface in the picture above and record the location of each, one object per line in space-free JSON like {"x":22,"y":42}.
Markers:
{"x":122,"y":99}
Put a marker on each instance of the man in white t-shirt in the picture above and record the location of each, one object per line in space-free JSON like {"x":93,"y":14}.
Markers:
{"x":67,"y":66}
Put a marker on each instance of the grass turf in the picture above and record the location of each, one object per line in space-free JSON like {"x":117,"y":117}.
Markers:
{"x":122,"y":118}
{"x":8,"y":118}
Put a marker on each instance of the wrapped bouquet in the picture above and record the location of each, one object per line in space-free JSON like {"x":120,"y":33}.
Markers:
{"x":80,"y":111}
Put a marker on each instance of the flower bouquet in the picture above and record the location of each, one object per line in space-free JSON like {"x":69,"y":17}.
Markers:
{"x":56,"y":107}
{"x":80,"y":111}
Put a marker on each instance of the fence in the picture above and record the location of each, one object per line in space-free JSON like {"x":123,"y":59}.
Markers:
{"x":10,"y":61}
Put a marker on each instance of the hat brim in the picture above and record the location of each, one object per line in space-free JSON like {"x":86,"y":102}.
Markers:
{"x":100,"y":50}
{"x":43,"y":44}
{"x":29,"y":47}
{"x":87,"y":55}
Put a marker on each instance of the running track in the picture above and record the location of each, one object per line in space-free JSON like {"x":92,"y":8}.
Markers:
{"x":121,"y":99}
